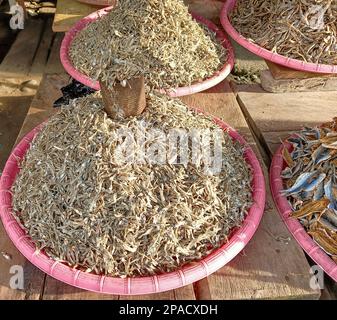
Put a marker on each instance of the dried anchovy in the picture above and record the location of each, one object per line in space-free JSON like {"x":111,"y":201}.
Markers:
{"x":311,"y":183}
{"x":6,"y":255}
{"x":84,"y":208}
{"x":155,"y":38}
{"x":299,"y":29}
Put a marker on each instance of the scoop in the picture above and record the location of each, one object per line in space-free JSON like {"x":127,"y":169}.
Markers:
{"x":124,"y":99}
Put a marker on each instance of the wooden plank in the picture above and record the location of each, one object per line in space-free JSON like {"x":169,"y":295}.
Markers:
{"x":57,"y":290}
{"x":270,"y":84}
{"x":185,"y":293}
{"x":68,"y":12}
{"x":273,"y":112}
{"x":42,"y":53}
{"x":20,"y":57}
{"x":257,"y":272}
{"x":54,"y":64}
{"x":282,"y":72}
{"x":209,"y":9}
{"x":41,"y":106}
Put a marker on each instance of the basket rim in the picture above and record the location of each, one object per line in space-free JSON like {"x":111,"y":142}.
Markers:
{"x":218,"y":76}
{"x":315,"y":252}
{"x":267,"y":54}
{"x":188,"y":274}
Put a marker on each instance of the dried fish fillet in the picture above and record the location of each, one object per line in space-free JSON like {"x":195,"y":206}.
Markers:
{"x":298,"y":29}
{"x":83,"y":207}
{"x":312,"y":190}
{"x":155,"y":38}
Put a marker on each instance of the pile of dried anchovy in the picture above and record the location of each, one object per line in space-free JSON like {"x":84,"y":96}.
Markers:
{"x":311,"y":181}
{"x":86,"y":208}
{"x":299,"y":29}
{"x":155,"y":38}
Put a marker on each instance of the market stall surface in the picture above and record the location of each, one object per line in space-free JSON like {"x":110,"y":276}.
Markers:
{"x":272,"y":266}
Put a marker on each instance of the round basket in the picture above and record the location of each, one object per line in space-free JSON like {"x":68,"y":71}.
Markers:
{"x":99,"y":3}
{"x":173,"y":92}
{"x":137,"y":285}
{"x":294,"y":226}
{"x":266,"y":54}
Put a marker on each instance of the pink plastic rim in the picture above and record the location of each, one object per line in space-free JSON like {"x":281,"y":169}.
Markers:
{"x":218,"y":77}
{"x":266,"y":54}
{"x":139,"y":285}
{"x":297,"y":230}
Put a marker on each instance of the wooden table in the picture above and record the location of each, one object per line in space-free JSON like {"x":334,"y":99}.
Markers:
{"x":272,"y":266}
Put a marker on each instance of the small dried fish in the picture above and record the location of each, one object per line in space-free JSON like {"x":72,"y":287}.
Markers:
{"x":310,"y":208}
{"x":83,"y":206}
{"x":6,"y":255}
{"x":155,"y":38}
{"x":301,"y":183}
{"x":299,"y":29}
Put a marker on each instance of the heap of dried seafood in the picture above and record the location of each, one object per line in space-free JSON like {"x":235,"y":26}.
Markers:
{"x":311,"y":182}
{"x":85,"y":207}
{"x":299,"y":29}
{"x":155,"y":38}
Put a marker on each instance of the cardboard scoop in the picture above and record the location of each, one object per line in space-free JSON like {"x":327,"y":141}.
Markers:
{"x":128,"y":100}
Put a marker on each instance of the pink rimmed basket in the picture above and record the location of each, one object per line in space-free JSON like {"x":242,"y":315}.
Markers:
{"x":138,"y":285}
{"x":173,"y":92}
{"x":266,"y":54}
{"x":297,"y":230}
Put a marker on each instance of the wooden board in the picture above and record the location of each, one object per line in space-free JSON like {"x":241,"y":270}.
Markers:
{"x":68,"y":12}
{"x":209,"y":9}
{"x":42,"y":53}
{"x":310,"y":84}
{"x":54,"y":64}
{"x":282,"y":72}
{"x":20,"y":57}
{"x":273,"y":112}
{"x":273,"y":117}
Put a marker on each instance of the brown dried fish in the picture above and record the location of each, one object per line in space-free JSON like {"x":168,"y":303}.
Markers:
{"x":324,"y":241}
{"x":311,"y":207}
{"x":312,"y":190}
{"x":299,"y":29}
{"x":287,"y":157}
